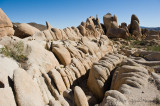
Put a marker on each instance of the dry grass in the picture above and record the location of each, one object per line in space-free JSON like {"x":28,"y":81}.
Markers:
{"x":15,"y":51}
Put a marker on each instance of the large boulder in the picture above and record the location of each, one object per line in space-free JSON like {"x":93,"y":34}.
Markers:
{"x":7,"y":97}
{"x":112,"y":28}
{"x":26,"y":89}
{"x":129,"y":76}
{"x":80,"y":97}
{"x":114,"y":98}
{"x":134,"y":27}
{"x":25,"y":30}
{"x":99,"y":74}
{"x":6,"y":27}
{"x":7,"y":72}
{"x":39,"y":60}
{"x":62,"y":54}
{"x":56,"y":76}
{"x":109,"y":20}
{"x":91,"y":28}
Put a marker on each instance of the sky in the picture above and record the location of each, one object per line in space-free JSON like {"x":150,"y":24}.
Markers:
{"x":67,"y":13}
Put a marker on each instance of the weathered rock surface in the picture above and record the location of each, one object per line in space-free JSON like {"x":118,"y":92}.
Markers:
{"x":62,"y":53}
{"x":134,"y":27}
{"x":100,"y":72}
{"x":25,"y":30}
{"x":7,"y":97}
{"x":80,"y":97}
{"x":114,"y":98}
{"x":80,"y":66}
{"x":27,"y":90}
{"x":58,"y":80}
{"x":6,"y":27}
{"x":134,"y":76}
{"x":5,"y":71}
{"x":112,"y":28}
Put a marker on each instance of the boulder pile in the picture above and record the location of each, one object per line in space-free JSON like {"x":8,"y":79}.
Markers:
{"x":76,"y":66}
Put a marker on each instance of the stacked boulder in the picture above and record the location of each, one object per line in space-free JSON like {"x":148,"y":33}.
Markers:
{"x":134,"y":27}
{"x":24,"y":30}
{"x":112,"y":28}
{"x":92,"y":28}
{"x":54,"y":71}
{"x":100,"y":73}
{"x":6,"y":27}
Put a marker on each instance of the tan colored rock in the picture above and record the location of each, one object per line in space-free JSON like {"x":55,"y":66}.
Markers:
{"x":134,"y":27}
{"x":80,"y":97}
{"x":64,"y":76}
{"x":58,"y":80}
{"x":6,"y":27}
{"x":114,"y":98}
{"x":82,"y":30}
{"x":39,"y":36}
{"x":62,"y":54}
{"x":108,"y":19}
{"x":57,"y":33}
{"x":112,"y":28}
{"x":39,"y":60}
{"x":77,"y":31}
{"x":74,"y":51}
{"x":48,"y":35}
{"x":5,"y":71}
{"x":134,"y":76}
{"x":46,"y":94}
{"x":54,"y":103}
{"x":48,"y":25}
{"x":25,"y":30}
{"x":27,"y":91}
{"x":79,"y":66}
{"x":100,"y":73}
{"x":7,"y":97}
{"x":64,"y":35}
{"x":71,"y":34}
{"x":134,"y":17}
{"x":97,"y":77}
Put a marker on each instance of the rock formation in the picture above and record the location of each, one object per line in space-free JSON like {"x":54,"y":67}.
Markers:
{"x":78,"y":65}
{"x":6,"y":27}
{"x":24,"y":30}
{"x":134,"y":27}
{"x":112,"y":28}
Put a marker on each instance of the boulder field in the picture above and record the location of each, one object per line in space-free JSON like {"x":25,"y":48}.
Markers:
{"x":93,"y":64}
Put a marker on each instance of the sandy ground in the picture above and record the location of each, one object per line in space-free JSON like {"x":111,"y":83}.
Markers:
{"x":143,"y":96}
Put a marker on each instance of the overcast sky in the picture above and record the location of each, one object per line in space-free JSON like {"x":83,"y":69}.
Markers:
{"x":66,"y":13}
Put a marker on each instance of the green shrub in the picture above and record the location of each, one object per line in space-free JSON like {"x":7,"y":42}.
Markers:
{"x":153,"y":48}
{"x":15,"y":51}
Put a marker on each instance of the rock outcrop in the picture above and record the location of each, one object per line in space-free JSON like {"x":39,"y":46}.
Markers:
{"x":6,"y":27}
{"x":114,"y":98}
{"x":134,"y":27}
{"x":112,"y":28}
{"x":28,"y":93}
{"x":100,"y":73}
{"x":78,"y":65}
{"x":24,"y":30}
{"x":80,"y":97}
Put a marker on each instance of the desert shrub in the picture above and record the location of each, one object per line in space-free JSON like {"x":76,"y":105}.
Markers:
{"x":15,"y":51}
{"x":129,"y":39}
{"x":137,"y":42}
{"x":153,"y":48}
